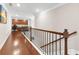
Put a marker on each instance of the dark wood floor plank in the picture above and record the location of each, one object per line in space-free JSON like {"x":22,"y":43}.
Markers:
{"x":17,"y":44}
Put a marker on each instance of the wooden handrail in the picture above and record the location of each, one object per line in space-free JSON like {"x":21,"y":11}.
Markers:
{"x":52,"y":42}
{"x":58,"y":39}
{"x":48,"y":31}
{"x":48,"y":35}
{"x":72,"y":33}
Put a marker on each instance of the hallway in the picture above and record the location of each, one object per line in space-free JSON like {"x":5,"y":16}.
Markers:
{"x":46,"y":28}
{"x":17,"y":45}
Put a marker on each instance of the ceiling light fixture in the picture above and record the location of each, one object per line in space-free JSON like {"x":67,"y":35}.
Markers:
{"x":37,"y":10}
{"x":18,"y":5}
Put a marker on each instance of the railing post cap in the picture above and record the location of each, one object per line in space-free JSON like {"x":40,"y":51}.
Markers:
{"x":65,"y":33}
{"x":65,"y":30}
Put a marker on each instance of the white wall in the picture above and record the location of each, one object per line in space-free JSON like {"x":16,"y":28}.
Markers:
{"x":5,"y":29}
{"x":45,"y":20}
{"x":64,"y":17}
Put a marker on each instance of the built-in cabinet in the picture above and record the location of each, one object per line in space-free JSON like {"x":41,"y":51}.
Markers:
{"x":21,"y":24}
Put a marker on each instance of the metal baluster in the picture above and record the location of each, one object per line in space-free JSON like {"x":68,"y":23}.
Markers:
{"x":30,"y":34}
{"x":43,"y":42}
{"x":56,"y":44}
{"x":52,"y":44}
{"x":60,"y":45}
{"x":47,"y":42}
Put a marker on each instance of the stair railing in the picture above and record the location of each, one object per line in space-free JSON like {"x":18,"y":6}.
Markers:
{"x":51,"y":42}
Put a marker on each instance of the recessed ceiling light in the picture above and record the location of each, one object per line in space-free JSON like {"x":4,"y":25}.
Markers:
{"x":37,"y":10}
{"x":18,"y":5}
{"x":17,"y":15}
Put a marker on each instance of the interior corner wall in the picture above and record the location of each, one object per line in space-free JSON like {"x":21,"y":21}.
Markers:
{"x":64,"y":17}
{"x":5,"y":29}
{"x":31,"y":21}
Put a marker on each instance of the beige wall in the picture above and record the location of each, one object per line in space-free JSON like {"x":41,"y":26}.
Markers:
{"x":64,"y":17}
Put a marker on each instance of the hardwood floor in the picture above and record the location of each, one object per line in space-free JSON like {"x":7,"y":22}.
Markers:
{"x":17,"y":44}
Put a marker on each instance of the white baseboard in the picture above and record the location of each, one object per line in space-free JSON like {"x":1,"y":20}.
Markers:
{"x":2,"y":43}
{"x":73,"y":52}
{"x":33,"y":44}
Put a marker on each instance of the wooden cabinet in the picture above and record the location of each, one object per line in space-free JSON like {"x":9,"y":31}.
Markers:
{"x":22,"y":25}
{"x":15,"y":21}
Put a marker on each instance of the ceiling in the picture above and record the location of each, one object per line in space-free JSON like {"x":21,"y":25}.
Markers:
{"x":28,"y":9}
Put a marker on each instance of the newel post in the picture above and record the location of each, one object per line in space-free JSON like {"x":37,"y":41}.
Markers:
{"x":65,"y":34}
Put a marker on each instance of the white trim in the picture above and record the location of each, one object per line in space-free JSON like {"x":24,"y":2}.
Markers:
{"x":33,"y":44}
{"x":57,"y":6}
{"x":2,"y":44}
